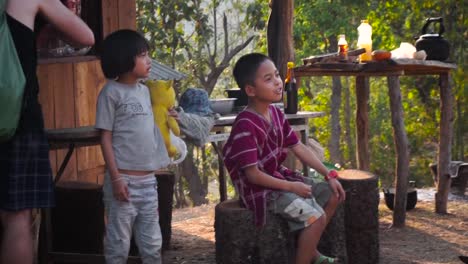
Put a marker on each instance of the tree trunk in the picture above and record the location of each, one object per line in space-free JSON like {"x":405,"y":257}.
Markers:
{"x":334,"y":145}
{"x":347,"y":121}
{"x":181,"y":202}
{"x":190,"y":172}
{"x":362,"y":122}
{"x":279,"y":34}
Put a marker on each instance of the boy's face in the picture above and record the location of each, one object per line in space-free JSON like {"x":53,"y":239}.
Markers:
{"x":142,"y":65}
{"x":268,"y":86}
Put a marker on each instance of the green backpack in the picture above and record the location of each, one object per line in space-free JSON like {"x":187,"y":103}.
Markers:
{"x":12,"y":80}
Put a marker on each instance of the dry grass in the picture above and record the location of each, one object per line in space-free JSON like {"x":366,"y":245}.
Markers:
{"x":427,"y":237}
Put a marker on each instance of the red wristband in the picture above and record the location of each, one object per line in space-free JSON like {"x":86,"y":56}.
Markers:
{"x":332,"y":174}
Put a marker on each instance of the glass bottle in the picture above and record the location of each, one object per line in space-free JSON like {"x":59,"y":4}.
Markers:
{"x":365,"y":40}
{"x":290,"y":91}
{"x":343,"y":47}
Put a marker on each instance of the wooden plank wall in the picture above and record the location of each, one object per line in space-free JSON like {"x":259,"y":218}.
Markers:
{"x":118,"y":14}
{"x":68,"y":94}
{"x":69,"y":90}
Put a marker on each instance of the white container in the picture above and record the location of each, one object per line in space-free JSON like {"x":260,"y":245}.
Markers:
{"x":365,"y":40}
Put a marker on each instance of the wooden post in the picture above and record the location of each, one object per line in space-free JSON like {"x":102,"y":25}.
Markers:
{"x":362,"y":122}
{"x":445,"y":144}
{"x":402,"y":152}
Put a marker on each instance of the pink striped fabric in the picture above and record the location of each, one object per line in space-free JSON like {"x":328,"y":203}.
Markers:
{"x":256,"y":142}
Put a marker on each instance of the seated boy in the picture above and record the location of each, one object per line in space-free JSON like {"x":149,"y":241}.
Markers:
{"x":258,"y":144}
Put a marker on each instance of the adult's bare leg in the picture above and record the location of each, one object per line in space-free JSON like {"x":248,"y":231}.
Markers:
{"x":17,"y":238}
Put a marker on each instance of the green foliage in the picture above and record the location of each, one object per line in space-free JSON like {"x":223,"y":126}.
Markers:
{"x":316,"y":25}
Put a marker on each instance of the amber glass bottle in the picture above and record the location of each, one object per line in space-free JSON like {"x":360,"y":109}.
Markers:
{"x":290,"y":91}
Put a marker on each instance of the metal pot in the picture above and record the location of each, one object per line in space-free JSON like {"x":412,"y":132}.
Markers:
{"x":411,"y":198}
{"x":239,"y":95}
{"x":435,"y":46}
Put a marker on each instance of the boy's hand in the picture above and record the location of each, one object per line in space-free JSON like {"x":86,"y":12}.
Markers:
{"x":301,"y":189}
{"x":120,"y":190}
{"x":337,"y":189}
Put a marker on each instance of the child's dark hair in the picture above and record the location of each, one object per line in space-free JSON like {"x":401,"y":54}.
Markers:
{"x":119,"y":50}
{"x":246,"y":68}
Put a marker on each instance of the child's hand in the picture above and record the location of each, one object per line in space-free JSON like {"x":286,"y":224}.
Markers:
{"x":337,"y":189}
{"x":120,"y":190}
{"x":172,"y":112}
{"x":301,"y":189}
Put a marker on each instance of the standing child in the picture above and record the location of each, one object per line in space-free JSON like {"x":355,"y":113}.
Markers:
{"x":133,"y":149}
{"x":258,"y":144}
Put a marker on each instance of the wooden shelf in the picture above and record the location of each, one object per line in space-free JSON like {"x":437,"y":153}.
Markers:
{"x":71,"y":59}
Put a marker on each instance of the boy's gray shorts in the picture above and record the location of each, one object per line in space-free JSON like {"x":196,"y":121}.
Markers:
{"x":300,"y":212}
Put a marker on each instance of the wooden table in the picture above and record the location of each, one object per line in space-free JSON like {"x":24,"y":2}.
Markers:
{"x":393,"y":69}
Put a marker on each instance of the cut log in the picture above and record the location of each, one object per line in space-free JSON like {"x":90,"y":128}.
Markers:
{"x":239,"y":241}
{"x":361,"y":216}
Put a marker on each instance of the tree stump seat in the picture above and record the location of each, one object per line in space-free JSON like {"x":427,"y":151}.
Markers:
{"x":239,"y":241}
{"x":361,"y":216}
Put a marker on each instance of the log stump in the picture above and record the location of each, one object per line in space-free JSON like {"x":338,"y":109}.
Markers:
{"x":78,"y":218}
{"x":333,"y":240}
{"x":239,"y":241}
{"x":361,"y":216}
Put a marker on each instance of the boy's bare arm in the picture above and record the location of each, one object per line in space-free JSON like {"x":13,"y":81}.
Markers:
{"x":256,"y":176}
{"x":308,"y":157}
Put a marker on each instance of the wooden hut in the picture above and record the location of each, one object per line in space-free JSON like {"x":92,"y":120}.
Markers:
{"x":69,"y":86}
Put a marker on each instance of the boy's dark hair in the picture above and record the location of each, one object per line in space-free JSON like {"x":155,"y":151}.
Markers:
{"x":246,"y":68}
{"x":119,"y":50}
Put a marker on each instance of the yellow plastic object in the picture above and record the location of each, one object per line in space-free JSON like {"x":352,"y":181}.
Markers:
{"x":163,"y":99}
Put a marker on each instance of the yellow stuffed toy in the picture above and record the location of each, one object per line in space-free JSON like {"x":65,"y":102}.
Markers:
{"x":162,"y":100}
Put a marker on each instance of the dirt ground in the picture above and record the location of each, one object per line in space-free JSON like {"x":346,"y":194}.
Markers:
{"x":427,"y":237}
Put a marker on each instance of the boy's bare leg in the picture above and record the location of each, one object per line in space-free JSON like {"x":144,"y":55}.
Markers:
{"x":330,"y":207}
{"x":17,"y":238}
{"x":308,"y":241}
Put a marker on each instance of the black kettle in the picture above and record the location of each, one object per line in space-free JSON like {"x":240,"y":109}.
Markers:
{"x":435,"y":46}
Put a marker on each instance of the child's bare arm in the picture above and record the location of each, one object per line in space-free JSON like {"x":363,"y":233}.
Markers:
{"x":256,"y":176}
{"x":119,"y":187}
{"x":308,"y":157}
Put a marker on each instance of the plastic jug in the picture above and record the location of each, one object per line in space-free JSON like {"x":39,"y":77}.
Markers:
{"x":365,"y":40}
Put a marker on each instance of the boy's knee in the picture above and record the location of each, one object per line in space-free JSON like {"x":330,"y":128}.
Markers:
{"x":333,"y":201}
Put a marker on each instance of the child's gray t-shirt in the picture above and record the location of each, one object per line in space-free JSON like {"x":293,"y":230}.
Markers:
{"x":136,"y":140}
